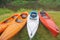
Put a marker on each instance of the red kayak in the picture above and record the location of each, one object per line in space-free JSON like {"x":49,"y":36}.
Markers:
{"x":48,"y":23}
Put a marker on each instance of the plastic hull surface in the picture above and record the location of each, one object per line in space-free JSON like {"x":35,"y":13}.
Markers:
{"x":49,"y":24}
{"x":32,"y":26}
{"x":14,"y":28}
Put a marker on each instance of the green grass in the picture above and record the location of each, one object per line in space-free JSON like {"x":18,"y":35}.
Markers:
{"x":5,"y":11}
{"x":42,"y":32}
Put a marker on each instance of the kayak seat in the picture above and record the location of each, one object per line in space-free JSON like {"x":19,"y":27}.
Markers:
{"x":43,"y":14}
{"x":23,"y":16}
{"x":13,"y":17}
{"x":18,"y":20}
{"x":6,"y":21}
{"x":33,"y":15}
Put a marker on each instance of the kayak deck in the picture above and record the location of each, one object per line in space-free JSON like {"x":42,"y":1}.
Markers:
{"x":49,"y":23}
{"x":32,"y":24}
{"x":14,"y":28}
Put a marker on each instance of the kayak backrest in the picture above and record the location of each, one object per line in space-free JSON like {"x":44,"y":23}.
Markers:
{"x":33,"y":14}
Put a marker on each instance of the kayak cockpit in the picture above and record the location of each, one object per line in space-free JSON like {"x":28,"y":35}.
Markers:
{"x":44,"y":15}
{"x":18,"y":20}
{"x":33,"y":15}
{"x":24,"y":15}
{"x":8,"y":20}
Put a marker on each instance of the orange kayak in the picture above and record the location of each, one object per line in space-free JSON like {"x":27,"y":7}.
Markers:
{"x":15,"y":27}
{"x":48,"y":23}
{"x":4,"y":24}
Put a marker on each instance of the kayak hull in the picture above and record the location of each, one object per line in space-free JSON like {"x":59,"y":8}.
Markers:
{"x":32,"y":26}
{"x":49,"y":24}
{"x":13,"y":29}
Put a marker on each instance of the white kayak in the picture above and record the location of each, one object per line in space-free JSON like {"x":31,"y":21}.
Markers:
{"x":32,"y":24}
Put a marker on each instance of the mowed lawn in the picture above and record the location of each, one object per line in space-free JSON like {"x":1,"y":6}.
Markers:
{"x":42,"y":32}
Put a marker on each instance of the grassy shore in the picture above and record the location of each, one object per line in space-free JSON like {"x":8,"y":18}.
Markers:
{"x":42,"y":32}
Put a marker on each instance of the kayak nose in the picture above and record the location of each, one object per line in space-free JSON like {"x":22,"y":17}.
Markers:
{"x":31,"y":36}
